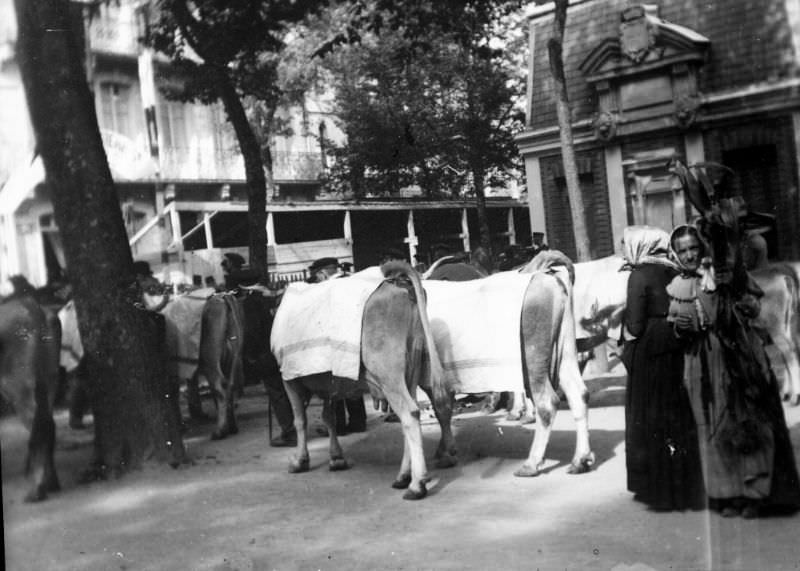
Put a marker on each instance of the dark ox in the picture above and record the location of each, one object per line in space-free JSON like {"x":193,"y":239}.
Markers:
{"x":550,"y":363}
{"x":396,"y":355}
{"x":220,"y":357}
{"x":234,"y":348}
{"x":30,"y":342}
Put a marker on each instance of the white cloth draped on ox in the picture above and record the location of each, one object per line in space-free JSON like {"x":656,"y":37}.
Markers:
{"x":317,"y":327}
{"x":476,"y":328}
{"x":184,"y":316}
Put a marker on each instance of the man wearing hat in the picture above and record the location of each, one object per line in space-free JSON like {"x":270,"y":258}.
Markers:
{"x":154,"y":296}
{"x":321,"y":270}
{"x":232,"y":265}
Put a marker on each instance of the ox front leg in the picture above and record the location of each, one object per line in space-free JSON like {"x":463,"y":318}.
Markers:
{"x":40,"y":465}
{"x":337,"y":461}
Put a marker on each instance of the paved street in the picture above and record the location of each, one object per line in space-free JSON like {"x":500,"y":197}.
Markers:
{"x":236,"y":507}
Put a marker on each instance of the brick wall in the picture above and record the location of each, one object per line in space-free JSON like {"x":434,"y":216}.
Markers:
{"x":558,"y":218}
{"x":764,"y":156}
{"x":750,"y":43}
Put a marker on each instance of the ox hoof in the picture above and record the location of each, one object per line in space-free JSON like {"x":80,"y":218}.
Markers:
{"x":218,"y":434}
{"x":299,"y":466}
{"x":527,"y":419}
{"x":402,"y":482}
{"x":37,"y":494}
{"x":527,"y":471}
{"x":446,"y":461}
{"x":338,"y":464}
{"x":413,"y":495}
{"x":583,"y":465}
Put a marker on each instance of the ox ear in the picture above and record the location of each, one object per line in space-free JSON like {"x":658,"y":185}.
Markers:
{"x":697,"y":194}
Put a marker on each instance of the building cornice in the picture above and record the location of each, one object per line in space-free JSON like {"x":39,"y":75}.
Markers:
{"x":779,"y":97}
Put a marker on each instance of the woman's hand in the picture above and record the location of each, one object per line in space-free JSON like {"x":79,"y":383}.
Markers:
{"x":684,"y":323}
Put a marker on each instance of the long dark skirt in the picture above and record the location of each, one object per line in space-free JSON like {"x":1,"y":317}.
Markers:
{"x":661,"y":447}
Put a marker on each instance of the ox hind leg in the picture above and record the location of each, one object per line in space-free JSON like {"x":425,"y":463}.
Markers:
{"x":446,"y":454}
{"x":571,"y":383}
{"x":413,"y":472}
{"x":299,"y":396}
{"x":337,"y":461}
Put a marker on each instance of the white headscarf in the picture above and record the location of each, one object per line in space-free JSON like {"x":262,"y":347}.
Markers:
{"x":646,"y":245}
{"x":705,"y":270}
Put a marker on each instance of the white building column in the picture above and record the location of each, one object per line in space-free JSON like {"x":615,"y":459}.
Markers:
{"x":270,"y":229}
{"x":348,"y":228}
{"x":533,"y":180}
{"x":465,"y":230}
{"x":411,"y":240}
{"x":615,"y":180}
{"x":512,"y":228}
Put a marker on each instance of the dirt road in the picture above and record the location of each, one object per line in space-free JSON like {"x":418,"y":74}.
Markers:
{"x":237,"y":508}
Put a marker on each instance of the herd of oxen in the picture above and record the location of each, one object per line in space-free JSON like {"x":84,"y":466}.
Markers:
{"x":384,"y":330}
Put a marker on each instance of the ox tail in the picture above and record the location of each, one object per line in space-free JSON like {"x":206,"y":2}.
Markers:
{"x":564,"y":363}
{"x":551,"y":261}
{"x":436,"y":371}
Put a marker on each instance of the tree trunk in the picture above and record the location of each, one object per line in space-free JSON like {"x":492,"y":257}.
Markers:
{"x":478,"y":178}
{"x":555,"y":51}
{"x":254,"y":164}
{"x":134,"y":409}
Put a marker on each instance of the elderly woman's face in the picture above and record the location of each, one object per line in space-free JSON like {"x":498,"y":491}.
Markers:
{"x":688,"y":250}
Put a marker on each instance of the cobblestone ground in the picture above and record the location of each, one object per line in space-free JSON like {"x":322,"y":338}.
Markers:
{"x":237,"y":508}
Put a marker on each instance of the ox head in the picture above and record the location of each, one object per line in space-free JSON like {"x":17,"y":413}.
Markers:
{"x":724,"y":222}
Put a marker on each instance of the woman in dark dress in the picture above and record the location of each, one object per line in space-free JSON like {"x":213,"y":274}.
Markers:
{"x":661,"y":448}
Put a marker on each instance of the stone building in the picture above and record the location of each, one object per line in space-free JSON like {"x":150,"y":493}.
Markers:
{"x":704,"y":81}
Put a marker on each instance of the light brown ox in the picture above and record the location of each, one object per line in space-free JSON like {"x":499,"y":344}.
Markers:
{"x":397,"y":355}
{"x":549,"y":362}
{"x":779,"y":319}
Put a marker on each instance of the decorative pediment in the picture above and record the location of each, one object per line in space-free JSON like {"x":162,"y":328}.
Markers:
{"x":645,"y":43}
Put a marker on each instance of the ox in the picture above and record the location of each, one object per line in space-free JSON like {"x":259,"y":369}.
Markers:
{"x":220,"y":357}
{"x":778,"y":319}
{"x":600,"y":298}
{"x":548,"y":354}
{"x":393,"y":355}
{"x":30,"y":342}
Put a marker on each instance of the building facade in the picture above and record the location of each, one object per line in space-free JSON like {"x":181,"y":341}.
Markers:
{"x":710,"y":81}
{"x":183,"y":194}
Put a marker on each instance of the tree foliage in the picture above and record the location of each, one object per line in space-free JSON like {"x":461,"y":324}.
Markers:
{"x":230,"y":52}
{"x":427,"y":95}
